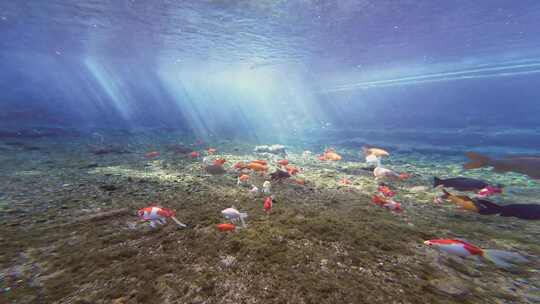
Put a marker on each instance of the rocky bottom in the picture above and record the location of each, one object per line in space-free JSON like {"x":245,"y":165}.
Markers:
{"x":70,"y":232}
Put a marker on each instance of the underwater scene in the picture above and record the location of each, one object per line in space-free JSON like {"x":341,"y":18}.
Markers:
{"x":269,"y":151}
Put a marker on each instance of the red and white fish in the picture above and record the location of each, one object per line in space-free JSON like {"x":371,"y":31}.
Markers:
{"x":387,"y":203}
{"x":234,"y":215}
{"x":489,"y":191}
{"x":463,"y":249}
{"x":158,"y":215}
{"x":381,"y":173}
{"x":268,"y":202}
{"x":386,"y":191}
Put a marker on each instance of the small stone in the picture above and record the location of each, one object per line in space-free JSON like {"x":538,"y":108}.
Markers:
{"x":120,"y":300}
{"x":228,"y":261}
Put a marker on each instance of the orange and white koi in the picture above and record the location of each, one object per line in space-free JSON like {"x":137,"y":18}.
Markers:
{"x":387,"y":203}
{"x":380,"y":172}
{"x":158,"y":215}
{"x":234,"y":215}
{"x":463,"y":249}
{"x":330,"y":154}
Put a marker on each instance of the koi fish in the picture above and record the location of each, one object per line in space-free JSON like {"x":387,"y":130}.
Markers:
{"x":234,"y":215}
{"x":521,"y":211}
{"x":501,"y":258}
{"x":489,"y":191}
{"x":158,"y":215}
{"x":220,"y":161}
{"x":226,"y":227}
{"x":528,"y":165}
{"x":257,"y":167}
{"x":283,"y":162}
{"x":260,"y":162}
{"x":243,"y":178}
{"x":461,"y":183}
{"x":330,"y":155}
{"x":386,"y":191}
{"x":267,"y":187}
{"x":377,"y":152}
{"x":194,"y":154}
{"x":292,"y":170}
{"x":152,"y":154}
{"x":387,"y":203}
{"x":211,"y":151}
{"x":463,"y":201}
{"x":380,"y":172}
{"x":373,"y":160}
{"x":268,"y":202}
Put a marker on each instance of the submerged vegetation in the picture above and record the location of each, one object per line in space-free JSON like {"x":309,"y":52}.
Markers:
{"x":71,"y":233}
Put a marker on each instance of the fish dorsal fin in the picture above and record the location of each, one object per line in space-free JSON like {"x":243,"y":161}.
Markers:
{"x":464,"y":241}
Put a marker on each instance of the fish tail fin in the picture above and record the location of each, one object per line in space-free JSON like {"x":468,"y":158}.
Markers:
{"x":436,"y":181}
{"x":446,"y":194}
{"x":503,"y":259}
{"x":476,"y":160}
{"x":486,"y":207}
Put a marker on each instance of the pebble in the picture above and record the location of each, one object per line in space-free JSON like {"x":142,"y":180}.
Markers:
{"x":228,"y":261}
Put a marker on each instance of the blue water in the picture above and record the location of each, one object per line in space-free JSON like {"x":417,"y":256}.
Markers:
{"x":254,"y":68}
